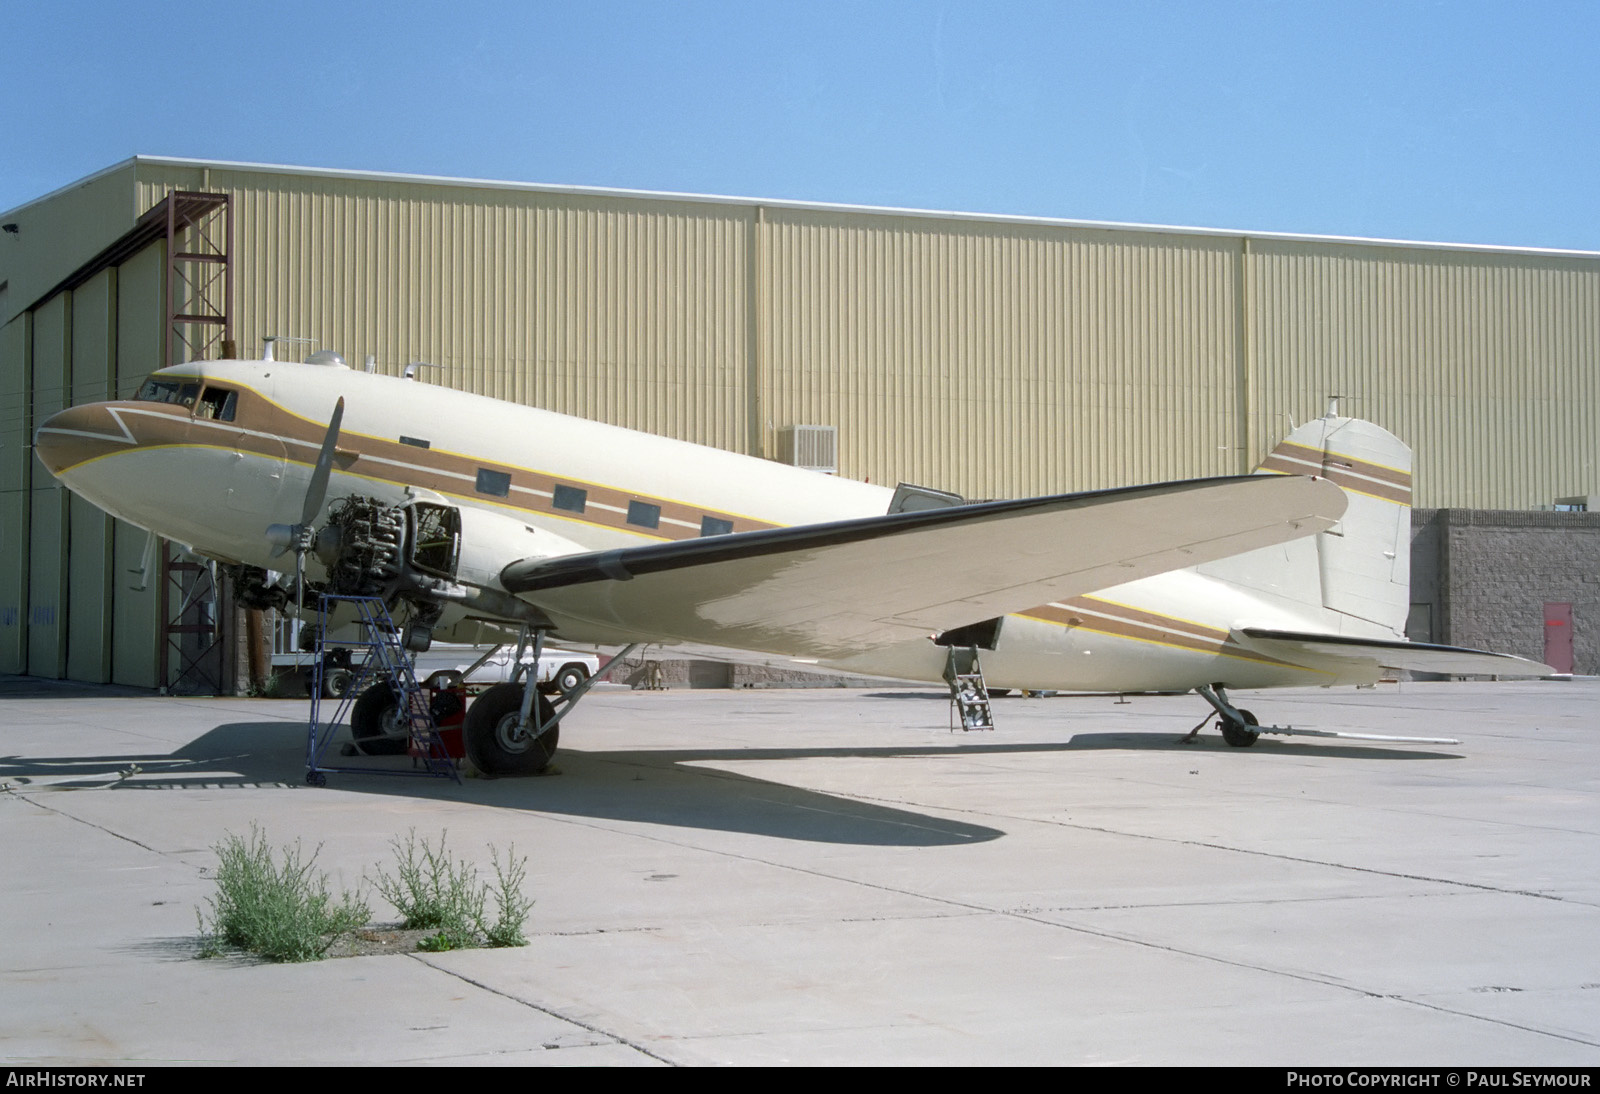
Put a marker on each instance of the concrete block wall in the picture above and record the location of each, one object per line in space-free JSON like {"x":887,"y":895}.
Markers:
{"x":1487,"y":575}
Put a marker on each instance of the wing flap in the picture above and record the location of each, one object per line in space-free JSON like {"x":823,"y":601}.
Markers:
{"x":1418,"y":656}
{"x":832,"y":590}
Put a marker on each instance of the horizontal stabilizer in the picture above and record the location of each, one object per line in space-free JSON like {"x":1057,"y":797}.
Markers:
{"x":1305,"y":648}
{"x":835,"y":589}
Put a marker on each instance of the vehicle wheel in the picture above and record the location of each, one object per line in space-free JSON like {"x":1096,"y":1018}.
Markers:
{"x":494,"y":744}
{"x":376,"y":724}
{"x":999,"y":693}
{"x":336,"y":682}
{"x":571,"y":678}
{"x":1239,"y":734}
{"x":316,"y":778}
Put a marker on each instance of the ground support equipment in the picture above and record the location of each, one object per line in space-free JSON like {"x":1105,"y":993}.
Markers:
{"x":377,"y":658}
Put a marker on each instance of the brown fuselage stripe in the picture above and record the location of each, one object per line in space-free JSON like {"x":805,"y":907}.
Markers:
{"x":1120,"y":621}
{"x":287,"y":436}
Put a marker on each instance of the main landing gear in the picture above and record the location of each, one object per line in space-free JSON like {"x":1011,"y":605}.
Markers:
{"x":502,"y":739}
{"x":513,"y":728}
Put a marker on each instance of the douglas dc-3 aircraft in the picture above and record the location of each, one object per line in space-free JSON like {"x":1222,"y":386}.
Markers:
{"x":460,"y":510}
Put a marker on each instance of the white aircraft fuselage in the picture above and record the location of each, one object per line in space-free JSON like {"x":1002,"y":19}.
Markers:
{"x":216,"y":451}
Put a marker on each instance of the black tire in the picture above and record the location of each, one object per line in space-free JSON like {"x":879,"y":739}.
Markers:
{"x":571,"y":678}
{"x":492,"y":742}
{"x":376,"y":724}
{"x":336,"y":682}
{"x":999,"y":693}
{"x":1239,"y":734}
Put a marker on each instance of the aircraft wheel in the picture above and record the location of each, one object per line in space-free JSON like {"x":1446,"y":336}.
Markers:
{"x":495,"y":743}
{"x":336,"y":681}
{"x":1239,"y":734}
{"x":376,"y":724}
{"x":570,"y":679}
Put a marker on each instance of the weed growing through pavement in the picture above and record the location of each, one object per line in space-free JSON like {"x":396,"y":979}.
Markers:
{"x":511,"y":904}
{"x":282,"y":912}
{"x":286,"y":913}
{"x":433,"y":892}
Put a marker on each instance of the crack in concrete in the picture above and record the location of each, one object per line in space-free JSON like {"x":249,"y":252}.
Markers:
{"x":91,"y":824}
{"x":614,"y":1038}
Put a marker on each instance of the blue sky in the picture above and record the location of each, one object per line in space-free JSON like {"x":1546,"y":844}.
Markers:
{"x":1460,"y":121}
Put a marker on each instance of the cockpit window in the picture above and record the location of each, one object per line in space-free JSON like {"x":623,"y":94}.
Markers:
{"x":214,"y":402}
{"x":217,"y":402}
{"x":168,"y":391}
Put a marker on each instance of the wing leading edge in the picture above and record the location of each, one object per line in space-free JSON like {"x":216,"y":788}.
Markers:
{"x":831,"y":590}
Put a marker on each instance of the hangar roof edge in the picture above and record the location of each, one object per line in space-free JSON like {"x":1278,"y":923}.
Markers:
{"x":778,"y":203}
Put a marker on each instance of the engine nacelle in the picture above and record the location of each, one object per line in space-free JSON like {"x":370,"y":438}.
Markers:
{"x":491,"y":541}
{"x":431,"y":554}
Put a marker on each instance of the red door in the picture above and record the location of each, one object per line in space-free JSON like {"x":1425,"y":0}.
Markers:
{"x":1558,"y":636}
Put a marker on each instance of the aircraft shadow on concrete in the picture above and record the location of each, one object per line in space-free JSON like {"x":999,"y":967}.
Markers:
{"x":667,"y":786}
{"x":642,"y":786}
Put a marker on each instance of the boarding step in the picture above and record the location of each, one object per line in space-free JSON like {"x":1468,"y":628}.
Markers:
{"x":969,"y":695}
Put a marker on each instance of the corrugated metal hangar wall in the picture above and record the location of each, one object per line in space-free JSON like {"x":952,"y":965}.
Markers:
{"x":988,"y":356}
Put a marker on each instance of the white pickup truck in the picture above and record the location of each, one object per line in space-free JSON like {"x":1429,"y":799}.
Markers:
{"x":559,"y":670}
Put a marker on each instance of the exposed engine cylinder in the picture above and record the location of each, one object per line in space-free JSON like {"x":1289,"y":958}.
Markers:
{"x":429,"y":554}
{"x":363,"y":546}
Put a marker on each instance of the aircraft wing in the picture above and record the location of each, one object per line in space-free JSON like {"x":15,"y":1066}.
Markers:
{"x":836,"y":589}
{"x":1419,"y":656}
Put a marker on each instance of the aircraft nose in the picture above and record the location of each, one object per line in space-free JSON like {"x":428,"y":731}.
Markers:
{"x":78,"y":433}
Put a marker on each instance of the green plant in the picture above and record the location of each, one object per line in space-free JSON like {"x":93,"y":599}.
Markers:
{"x":433,"y":892}
{"x":512,"y":904}
{"x":282,"y":912}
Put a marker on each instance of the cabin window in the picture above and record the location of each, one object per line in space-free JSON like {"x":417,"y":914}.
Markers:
{"x":644,"y":514}
{"x":715,"y":526}
{"x":168,"y":391}
{"x":570,"y":498}
{"x":497,"y":483}
{"x":416,"y":442}
{"x":217,"y":402}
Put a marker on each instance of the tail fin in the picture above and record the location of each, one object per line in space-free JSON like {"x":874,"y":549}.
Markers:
{"x":1357,"y":575}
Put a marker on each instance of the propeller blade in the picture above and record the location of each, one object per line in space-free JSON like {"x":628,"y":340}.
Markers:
{"x":317,"y":492}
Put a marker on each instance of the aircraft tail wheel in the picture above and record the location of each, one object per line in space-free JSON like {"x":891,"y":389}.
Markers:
{"x":495,"y":742}
{"x":1239,"y":734}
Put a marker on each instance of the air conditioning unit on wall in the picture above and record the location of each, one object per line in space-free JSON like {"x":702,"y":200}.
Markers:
{"x":813,"y":447}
